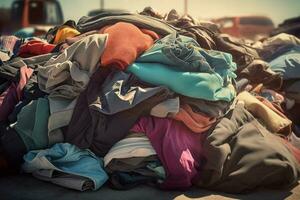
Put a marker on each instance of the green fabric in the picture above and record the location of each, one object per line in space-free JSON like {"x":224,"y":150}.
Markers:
{"x":32,"y":124}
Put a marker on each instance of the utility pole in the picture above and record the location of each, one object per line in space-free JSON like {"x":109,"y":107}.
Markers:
{"x":185,"y":12}
{"x":102,"y":4}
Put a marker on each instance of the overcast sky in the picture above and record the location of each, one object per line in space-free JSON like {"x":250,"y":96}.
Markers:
{"x":278,"y":10}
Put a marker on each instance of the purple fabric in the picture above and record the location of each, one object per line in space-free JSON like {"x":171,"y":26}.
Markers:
{"x":178,"y":148}
{"x":12,"y":96}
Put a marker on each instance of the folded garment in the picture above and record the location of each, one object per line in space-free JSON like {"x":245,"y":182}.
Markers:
{"x":130,"y":147}
{"x":207,"y":86}
{"x":69,"y":73}
{"x":242,"y":155}
{"x":276,"y":123}
{"x":197,"y":122}
{"x":67,"y":159}
{"x":126,"y":173}
{"x":122,"y":49}
{"x":178,"y":148}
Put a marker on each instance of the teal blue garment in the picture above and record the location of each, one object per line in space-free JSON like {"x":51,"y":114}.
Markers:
{"x":177,"y":51}
{"x":179,"y":63}
{"x":207,"y":86}
{"x":288,"y":64}
{"x":32,"y":124}
{"x":67,"y":158}
{"x":221,"y":63}
{"x":25,"y":32}
{"x":185,"y":54}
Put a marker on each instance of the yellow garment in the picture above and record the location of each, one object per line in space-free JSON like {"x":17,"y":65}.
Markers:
{"x":63,"y":33}
{"x":271,"y":119}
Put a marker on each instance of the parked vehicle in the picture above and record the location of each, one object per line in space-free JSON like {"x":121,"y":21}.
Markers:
{"x":249,"y":27}
{"x":40,"y":15}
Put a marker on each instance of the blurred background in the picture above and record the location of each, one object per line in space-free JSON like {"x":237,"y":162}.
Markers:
{"x":251,"y":19}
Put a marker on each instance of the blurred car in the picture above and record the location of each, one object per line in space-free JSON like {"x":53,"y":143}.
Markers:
{"x":248,"y":27}
{"x":36,"y":15}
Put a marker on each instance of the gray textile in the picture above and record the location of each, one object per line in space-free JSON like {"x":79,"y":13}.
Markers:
{"x":10,"y":68}
{"x":133,"y":164}
{"x":121,"y":91}
{"x":169,"y":106}
{"x":210,"y":108}
{"x":69,"y":73}
{"x":86,"y":24}
{"x":243,"y":155}
{"x":65,"y":180}
{"x":61,"y":111}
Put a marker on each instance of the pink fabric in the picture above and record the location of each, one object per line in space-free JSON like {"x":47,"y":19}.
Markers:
{"x":178,"y":148}
{"x":10,"y":97}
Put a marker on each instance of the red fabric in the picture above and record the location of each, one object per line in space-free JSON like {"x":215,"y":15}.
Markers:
{"x":10,"y":97}
{"x":34,"y":48}
{"x":124,"y":44}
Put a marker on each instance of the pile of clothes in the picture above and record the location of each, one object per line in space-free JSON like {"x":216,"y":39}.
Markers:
{"x":167,"y":101}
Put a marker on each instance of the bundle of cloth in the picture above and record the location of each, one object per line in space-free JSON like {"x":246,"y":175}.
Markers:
{"x":167,"y":101}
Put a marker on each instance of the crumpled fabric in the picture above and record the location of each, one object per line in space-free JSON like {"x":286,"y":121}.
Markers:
{"x":207,"y":86}
{"x":196,"y":122}
{"x":68,"y":159}
{"x":178,"y":148}
{"x":89,"y":128}
{"x":122,"y":91}
{"x":276,"y":123}
{"x":242,"y":155}
{"x":13,"y":94}
{"x":69,"y":73}
{"x":109,"y":17}
{"x":35,"y":48}
{"x":63,"y":33}
{"x":122,"y":49}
